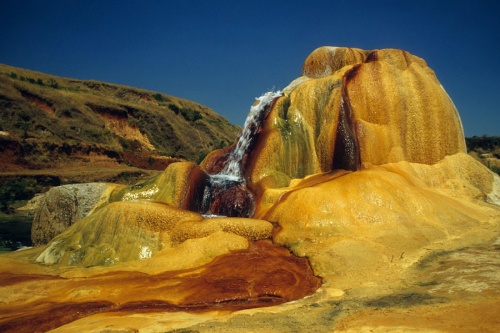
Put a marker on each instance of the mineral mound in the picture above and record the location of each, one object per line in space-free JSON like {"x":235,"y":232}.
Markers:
{"x":353,"y":188}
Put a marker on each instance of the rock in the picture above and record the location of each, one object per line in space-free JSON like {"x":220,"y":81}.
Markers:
{"x":379,"y":213}
{"x":129,"y":230}
{"x":229,"y":199}
{"x":251,"y":229}
{"x":360,"y":167}
{"x":230,"y":282}
{"x":62,"y":206}
{"x":120,"y":231}
{"x":356,"y":109}
{"x":186,"y":183}
{"x":326,"y":60}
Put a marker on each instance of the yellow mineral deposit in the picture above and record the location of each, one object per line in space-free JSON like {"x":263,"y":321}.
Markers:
{"x":368,"y":216}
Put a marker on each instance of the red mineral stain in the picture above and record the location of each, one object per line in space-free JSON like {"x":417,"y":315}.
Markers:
{"x":346,"y":154}
{"x":51,"y":316}
{"x":262,"y":275}
{"x":8,"y":279}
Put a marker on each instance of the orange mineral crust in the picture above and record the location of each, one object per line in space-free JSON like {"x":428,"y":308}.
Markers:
{"x":358,"y":168}
{"x":262,"y":275}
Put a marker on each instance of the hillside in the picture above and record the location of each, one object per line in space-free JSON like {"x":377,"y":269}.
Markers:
{"x":48,"y":121}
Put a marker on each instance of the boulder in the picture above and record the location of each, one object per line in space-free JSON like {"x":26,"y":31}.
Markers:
{"x":62,"y":206}
{"x":118,"y":232}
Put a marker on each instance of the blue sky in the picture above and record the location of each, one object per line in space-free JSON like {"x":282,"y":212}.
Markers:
{"x":223,"y":54}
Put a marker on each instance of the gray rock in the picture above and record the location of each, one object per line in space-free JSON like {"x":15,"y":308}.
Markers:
{"x":62,"y":206}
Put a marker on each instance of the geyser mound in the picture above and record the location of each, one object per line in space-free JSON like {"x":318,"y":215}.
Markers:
{"x":359,"y":165}
{"x":380,"y":113}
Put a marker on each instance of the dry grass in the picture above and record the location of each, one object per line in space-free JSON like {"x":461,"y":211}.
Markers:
{"x":49,"y":114}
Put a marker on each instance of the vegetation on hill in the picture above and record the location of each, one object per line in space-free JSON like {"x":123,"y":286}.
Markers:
{"x":486,"y":149}
{"x":47,"y":119}
{"x":55,"y":131}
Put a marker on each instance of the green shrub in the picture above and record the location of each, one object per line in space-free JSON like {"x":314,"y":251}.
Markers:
{"x":201,"y":156}
{"x":15,"y":189}
{"x":174,"y":108}
{"x":482,"y":143}
{"x":72,"y":89}
{"x":68,"y":113}
{"x":25,"y":127}
{"x":221,"y":144}
{"x":190,"y":114}
{"x":133,"y":122}
{"x":158,"y":97}
{"x":53,"y":84}
{"x":495,"y":169}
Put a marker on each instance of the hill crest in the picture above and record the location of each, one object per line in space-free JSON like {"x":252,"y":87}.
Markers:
{"x":49,"y":121}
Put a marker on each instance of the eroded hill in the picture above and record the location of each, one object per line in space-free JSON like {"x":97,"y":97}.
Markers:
{"x":48,"y":121}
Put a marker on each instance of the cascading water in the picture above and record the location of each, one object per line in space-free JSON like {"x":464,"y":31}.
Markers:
{"x":253,"y":122}
{"x":226,"y":193}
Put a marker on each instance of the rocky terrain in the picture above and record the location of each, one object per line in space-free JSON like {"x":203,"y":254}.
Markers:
{"x":352,"y":205}
{"x":56,"y":131}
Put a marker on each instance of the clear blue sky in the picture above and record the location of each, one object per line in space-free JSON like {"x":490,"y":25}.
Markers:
{"x":223,"y":54}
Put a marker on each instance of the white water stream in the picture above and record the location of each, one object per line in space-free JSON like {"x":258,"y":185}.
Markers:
{"x":232,"y":170}
{"x":232,"y":174}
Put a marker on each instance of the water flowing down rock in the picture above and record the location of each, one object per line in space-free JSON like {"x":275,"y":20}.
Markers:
{"x":251,"y":128}
{"x":226,"y":192}
{"x":358,"y":168}
{"x":226,"y":196}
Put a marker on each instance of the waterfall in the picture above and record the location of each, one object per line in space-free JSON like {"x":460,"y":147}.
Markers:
{"x":253,"y":122}
{"x":226,"y":193}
